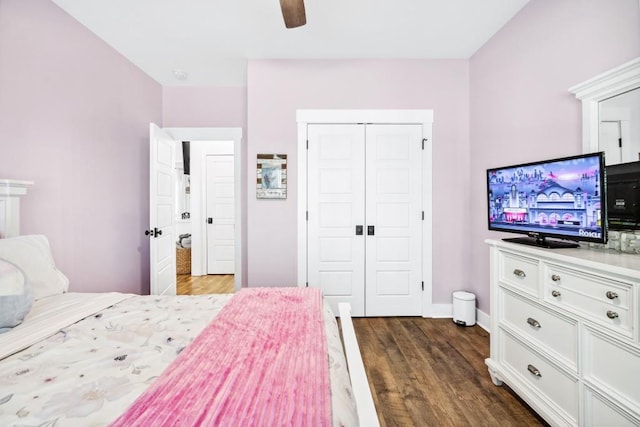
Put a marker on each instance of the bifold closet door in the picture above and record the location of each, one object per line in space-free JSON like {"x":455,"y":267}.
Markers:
{"x":336,"y":208}
{"x":364,"y":227}
{"x":393,"y":278}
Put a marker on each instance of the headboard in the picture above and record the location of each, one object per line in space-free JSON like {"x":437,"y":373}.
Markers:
{"x":10,"y":192}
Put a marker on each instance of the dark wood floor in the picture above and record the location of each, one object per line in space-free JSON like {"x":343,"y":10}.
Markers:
{"x":431,"y":372}
{"x":422,"y":372}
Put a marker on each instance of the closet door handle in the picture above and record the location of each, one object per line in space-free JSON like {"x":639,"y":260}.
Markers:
{"x":359,"y":230}
{"x":371,"y":230}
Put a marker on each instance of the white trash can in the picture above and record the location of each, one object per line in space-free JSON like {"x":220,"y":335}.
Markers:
{"x":464,"y":308}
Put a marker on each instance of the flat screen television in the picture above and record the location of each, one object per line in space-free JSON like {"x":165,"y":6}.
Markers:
{"x":555,"y":203}
{"x":623,"y":196}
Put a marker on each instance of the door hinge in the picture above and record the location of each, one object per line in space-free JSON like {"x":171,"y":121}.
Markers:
{"x":307,"y":215}
{"x":620,"y":142}
{"x":423,"y":285}
{"x":307,"y":144}
{"x":307,"y":284}
{"x":423,"y":141}
{"x":423,"y":215}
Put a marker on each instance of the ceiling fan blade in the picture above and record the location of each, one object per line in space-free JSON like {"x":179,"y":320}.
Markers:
{"x":293,"y":13}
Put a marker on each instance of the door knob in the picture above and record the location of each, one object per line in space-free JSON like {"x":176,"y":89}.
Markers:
{"x":371,"y":230}
{"x":209,"y":220}
{"x":153,"y":233}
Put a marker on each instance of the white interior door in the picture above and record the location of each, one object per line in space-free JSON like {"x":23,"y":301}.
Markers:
{"x":364,"y":226}
{"x":394,"y":220}
{"x":609,"y":139}
{"x":220,"y":214}
{"x":335,"y":201}
{"x":161,"y":212}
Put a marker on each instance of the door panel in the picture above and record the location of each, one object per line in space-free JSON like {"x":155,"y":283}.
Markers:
{"x":221,"y":209}
{"x":335,"y":254}
{"x":161,"y":212}
{"x":369,"y":176}
{"x":394,"y":208}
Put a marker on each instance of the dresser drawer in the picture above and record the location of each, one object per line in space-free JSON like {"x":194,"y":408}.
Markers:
{"x":600,"y":300}
{"x":612,"y":365}
{"x":558,"y":334}
{"x":541,"y":375}
{"x":614,"y":293}
{"x":519,"y":272}
{"x":601,"y":412}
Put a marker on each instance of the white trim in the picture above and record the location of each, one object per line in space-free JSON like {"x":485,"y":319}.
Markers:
{"x":10,"y":192}
{"x":364,"y":116}
{"x":603,"y":86}
{"x":440,"y":311}
{"x":198,"y":266}
{"x":483,"y":320}
{"x":423,"y":117}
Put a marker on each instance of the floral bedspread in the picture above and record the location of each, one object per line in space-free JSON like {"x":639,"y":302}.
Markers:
{"x":91,"y":371}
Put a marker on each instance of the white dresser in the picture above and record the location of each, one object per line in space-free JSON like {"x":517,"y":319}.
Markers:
{"x":565,"y":332}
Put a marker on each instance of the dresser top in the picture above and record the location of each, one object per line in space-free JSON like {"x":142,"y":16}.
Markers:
{"x":602,"y":259}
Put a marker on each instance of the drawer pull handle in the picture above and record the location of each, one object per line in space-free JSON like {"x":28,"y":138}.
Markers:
{"x":612,"y":314}
{"x":555,"y":277}
{"x":555,"y":293}
{"x":535,"y":371}
{"x":612,"y":295}
{"x":519,"y":273}
{"x":533,"y":322}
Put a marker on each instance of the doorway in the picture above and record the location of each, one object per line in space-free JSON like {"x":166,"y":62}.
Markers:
{"x":206,"y":142}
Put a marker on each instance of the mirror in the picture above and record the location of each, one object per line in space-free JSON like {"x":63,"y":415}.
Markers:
{"x":611,"y":110}
{"x":619,"y":127}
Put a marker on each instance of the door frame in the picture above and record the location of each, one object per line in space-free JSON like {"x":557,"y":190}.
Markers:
{"x":422,"y":117}
{"x":201,"y":139}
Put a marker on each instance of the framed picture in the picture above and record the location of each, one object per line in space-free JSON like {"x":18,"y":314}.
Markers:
{"x":271,"y":176}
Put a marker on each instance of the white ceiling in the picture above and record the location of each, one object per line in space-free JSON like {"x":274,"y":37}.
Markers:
{"x":211,"y":40}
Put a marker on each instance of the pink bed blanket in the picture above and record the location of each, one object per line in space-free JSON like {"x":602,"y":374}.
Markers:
{"x":261,"y":362}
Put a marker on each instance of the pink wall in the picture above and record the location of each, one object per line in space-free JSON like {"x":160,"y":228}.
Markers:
{"x":276,"y":88}
{"x":521,"y":109}
{"x":74,"y":118}
{"x":196,"y":106}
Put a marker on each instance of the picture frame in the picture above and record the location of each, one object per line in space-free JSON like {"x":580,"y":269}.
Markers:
{"x":271,"y":176}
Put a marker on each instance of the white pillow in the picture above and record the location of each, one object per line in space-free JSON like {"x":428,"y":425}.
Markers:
{"x":32,"y":255}
{"x":15,"y":296}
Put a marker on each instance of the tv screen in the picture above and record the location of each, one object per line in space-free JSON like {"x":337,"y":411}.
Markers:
{"x":623,"y":196}
{"x":562,"y":199}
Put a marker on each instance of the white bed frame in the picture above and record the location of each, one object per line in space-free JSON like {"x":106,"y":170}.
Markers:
{"x":10,"y":192}
{"x":361,"y":391}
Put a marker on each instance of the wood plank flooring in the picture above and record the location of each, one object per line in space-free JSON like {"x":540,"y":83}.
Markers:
{"x":187,"y":284}
{"x":431,"y":372}
{"x":422,"y":372}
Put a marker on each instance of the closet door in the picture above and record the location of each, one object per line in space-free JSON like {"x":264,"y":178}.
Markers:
{"x":336,"y":206}
{"x":394,"y":209}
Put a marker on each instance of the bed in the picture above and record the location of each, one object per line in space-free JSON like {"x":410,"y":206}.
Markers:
{"x":262,"y":356}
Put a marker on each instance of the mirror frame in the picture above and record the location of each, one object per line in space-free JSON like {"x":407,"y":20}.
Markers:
{"x":618,"y":80}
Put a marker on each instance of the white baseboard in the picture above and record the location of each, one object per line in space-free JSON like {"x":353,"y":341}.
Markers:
{"x":446,"y":311}
{"x":442,"y":310}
